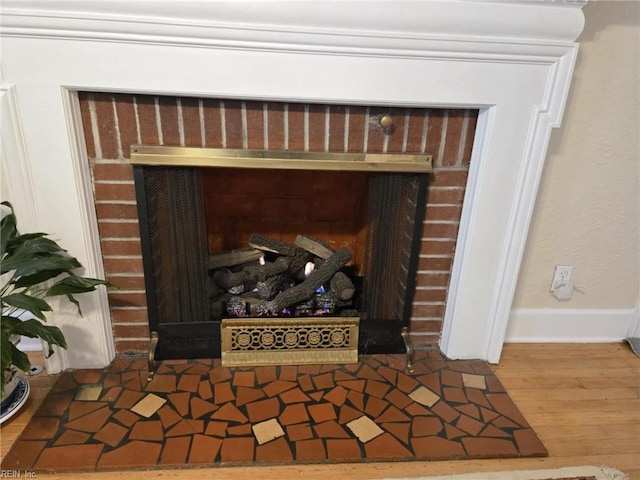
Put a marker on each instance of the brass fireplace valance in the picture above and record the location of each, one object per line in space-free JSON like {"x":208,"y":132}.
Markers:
{"x":273,"y":159}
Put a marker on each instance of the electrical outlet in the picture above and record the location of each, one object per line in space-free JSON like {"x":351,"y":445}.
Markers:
{"x":562,"y":285}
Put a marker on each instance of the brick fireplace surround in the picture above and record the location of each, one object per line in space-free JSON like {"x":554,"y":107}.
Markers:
{"x":113,"y":122}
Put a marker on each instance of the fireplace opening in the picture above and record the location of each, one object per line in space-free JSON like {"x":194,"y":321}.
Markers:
{"x":229,"y":243}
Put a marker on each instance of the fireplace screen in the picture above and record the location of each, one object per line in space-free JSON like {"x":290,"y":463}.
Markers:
{"x":205,"y":259}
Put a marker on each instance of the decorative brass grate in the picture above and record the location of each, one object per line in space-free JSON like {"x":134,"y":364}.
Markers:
{"x":289,"y":341}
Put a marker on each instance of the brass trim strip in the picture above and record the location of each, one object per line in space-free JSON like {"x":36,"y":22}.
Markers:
{"x":153,"y":344}
{"x":409,"y":348}
{"x":277,"y":159}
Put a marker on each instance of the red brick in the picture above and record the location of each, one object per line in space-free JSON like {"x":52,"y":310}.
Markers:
{"x":443,"y":212}
{"x":427,"y":326}
{"x":433,"y":279}
{"x":434,"y":133}
{"x":446,"y":195}
{"x":255,"y":125}
{"x":396,"y":137}
{"x":125,"y":316}
{"x":416,"y":129}
{"x":425,"y":340}
{"x":127,"y":282}
{"x":435,"y":263}
{"x":132,"y":346}
{"x":120,"y":211}
{"x":147,"y":119}
{"x":428,"y":311}
{"x":121,"y":247}
{"x":233,"y":123}
{"x":106,"y":125}
{"x":169,"y":120}
{"x":131,"y":331}
{"x":112,"y":171}
{"x":127,"y":299}
{"x":376,"y":135}
{"x":126,"y":122}
{"x":317,"y":117}
{"x":119,"y":229}
{"x":357,"y":122}
{"x":114,"y":191}
{"x":275,"y":131}
{"x":85,"y":114}
{"x":296,"y":126}
{"x":336,"y":128}
{"x":123,"y":265}
{"x":212,"y":123}
{"x":191,"y":122}
{"x":440,"y":230}
{"x":437,"y":247}
{"x":448,"y":178}
{"x":431,"y":295}
{"x":452,"y":141}
{"x":471,"y":132}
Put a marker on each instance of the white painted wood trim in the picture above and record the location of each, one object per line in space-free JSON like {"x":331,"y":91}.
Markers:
{"x":634,"y":328}
{"x":556,"y":325}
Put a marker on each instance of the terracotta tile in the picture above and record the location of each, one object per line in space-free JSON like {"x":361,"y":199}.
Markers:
{"x":23,"y":454}
{"x":263,"y":409}
{"x":78,"y":409}
{"x":295,"y":395}
{"x":199,"y":368}
{"x":147,"y":430}
{"x":168,"y":416}
{"x":186,"y":426}
{"x":204,"y":450}
{"x":120,"y":364}
{"x":453,"y":432}
{"x":189,"y":383}
{"x":91,"y":422}
{"x":369,"y":373}
{"x":204,"y":390}
{"x":406,"y":383}
{"x":277,"y":387}
{"x":374,"y":406}
{"x":386,"y":447}
{"x":503,"y":404}
{"x":326,"y":367}
{"x":322,"y":412}
{"x":240,"y":430}
{"x":356,"y":399}
{"x":111,"y":395}
{"x":71,"y":437}
{"x":301,"y":431}
{"x":128,"y":399}
{"x":415,"y":409}
{"x":310,"y":451}
{"x":266,"y":374}
{"x":424,"y":396}
{"x":40,"y":428}
{"x":399,"y":361}
{"x":267,"y":431}
{"x":88,"y":393}
{"x":494,"y":385}
{"x":462,"y":366}
{"x":125,"y":417}
{"x":436,"y":448}
{"x":72,"y":457}
{"x":357,"y":385}
{"x":246,"y":395}
{"x":288,"y":373}
{"x":174,"y":452}
{"x":111,"y":380}
{"x":455,"y":395}
{"x":296,"y":413}
{"x":426,"y":426}
{"x":162,"y":383}
{"x":309,"y":369}
{"x":219,"y":374}
{"x":148,"y":405}
{"x":200,"y":407}
{"x":474,"y":381}
{"x":469,"y":425}
{"x":344,"y":450}
{"x":55,"y":405}
{"x":135,"y":383}
{"x":337,"y":396}
{"x":347,"y":414}
{"x":445,"y":412}
{"x":111,"y":434}
{"x":388,"y":374}
{"x":504,"y":422}
{"x":529,"y":443}
{"x":364,"y":428}
{"x":431,"y":381}
{"x":477,"y":397}
{"x":451,"y":379}
{"x":277,"y":451}
{"x":488,"y":447}
{"x":339,"y":376}
{"x":323,"y":382}
{"x":399,"y":430}
{"x":469,"y":409}
{"x":216,"y":429}
{"x":131,"y":455}
{"x":64,"y":383}
{"x":492,"y":431}
{"x":316,"y":396}
{"x":229,"y":412}
{"x":237,"y":449}
{"x":306,"y":384}
{"x":392,"y":414}
{"x":244,"y":379}
{"x":330,"y":429}
{"x":488,"y":415}
{"x":181,"y":367}
{"x":222,"y":393}
{"x":180,"y":402}
{"x":398,"y":398}
{"x":87,"y":376}
{"x":377,"y":389}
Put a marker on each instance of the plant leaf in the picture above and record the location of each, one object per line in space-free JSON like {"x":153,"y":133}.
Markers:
{"x":74,"y":284}
{"x":8,"y":228}
{"x":26,"y":302}
{"x":34,"y":243}
{"x":34,"y":329}
{"x":26,"y":263}
{"x":35,"y":279}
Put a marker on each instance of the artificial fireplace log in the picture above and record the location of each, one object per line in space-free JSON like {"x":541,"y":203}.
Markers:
{"x":268,"y":244}
{"x":342,"y":286}
{"x":250,"y":274}
{"x":313,"y":245}
{"x":297,"y":263}
{"x":234,"y":257}
{"x":270,"y":286}
{"x":308,"y":287}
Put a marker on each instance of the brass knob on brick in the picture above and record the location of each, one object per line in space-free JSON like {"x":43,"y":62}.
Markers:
{"x":386,"y":121}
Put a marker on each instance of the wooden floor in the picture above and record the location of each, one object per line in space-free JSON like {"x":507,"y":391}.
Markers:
{"x":582,"y":400}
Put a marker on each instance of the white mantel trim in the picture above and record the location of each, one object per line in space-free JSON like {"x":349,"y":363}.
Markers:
{"x":512,"y":60}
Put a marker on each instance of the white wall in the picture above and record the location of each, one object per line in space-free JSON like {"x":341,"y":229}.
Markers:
{"x":587,"y":212}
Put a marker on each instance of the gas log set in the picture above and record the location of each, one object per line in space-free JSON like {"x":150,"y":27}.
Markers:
{"x":272,"y":278}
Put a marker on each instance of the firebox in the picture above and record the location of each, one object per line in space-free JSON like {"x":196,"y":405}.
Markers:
{"x":286,"y":239}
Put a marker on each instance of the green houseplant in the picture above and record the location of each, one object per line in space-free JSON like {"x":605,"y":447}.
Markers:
{"x":33,"y":268}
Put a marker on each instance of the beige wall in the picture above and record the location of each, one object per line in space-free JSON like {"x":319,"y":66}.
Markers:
{"x":588,"y":209}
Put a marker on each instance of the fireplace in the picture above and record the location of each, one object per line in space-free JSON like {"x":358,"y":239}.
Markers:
{"x":511,"y":61}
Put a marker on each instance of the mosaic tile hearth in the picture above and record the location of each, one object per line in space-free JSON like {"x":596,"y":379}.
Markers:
{"x":197,"y":413}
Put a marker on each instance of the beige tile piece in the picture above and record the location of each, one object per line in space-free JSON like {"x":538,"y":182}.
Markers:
{"x":364,"y":428}
{"x":474,"y":381}
{"x":267,"y":431}
{"x":424,"y":396}
{"x":148,"y":405}
{"x":89,"y":393}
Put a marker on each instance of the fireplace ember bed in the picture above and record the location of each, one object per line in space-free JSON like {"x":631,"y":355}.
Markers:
{"x":230,"y":284}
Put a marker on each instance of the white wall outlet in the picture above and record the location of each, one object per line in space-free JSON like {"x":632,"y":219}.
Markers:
{"x":562,"y":285}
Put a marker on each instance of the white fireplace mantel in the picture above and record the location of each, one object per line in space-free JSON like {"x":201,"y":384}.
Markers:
{"x":513,"y":60}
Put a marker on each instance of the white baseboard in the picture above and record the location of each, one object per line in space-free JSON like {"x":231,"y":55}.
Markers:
{"x":555,"y":325}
